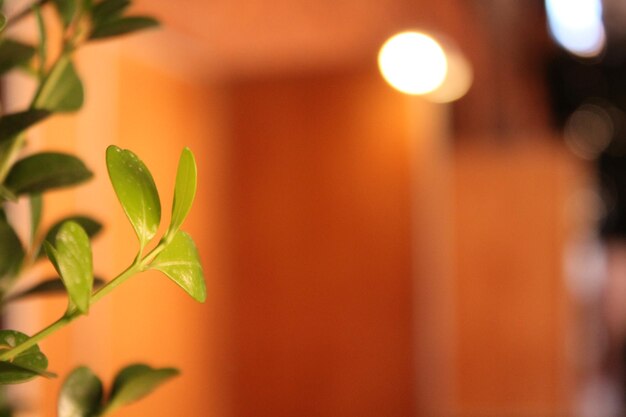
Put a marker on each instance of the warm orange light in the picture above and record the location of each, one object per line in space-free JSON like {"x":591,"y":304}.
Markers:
{"x":458,"y":78}
{"x":413,"y":63}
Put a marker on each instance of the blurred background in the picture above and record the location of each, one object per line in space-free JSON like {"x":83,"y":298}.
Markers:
{"x":367,"y":252}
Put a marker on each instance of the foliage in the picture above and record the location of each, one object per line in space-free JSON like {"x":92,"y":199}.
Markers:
{"x":67,"y":242}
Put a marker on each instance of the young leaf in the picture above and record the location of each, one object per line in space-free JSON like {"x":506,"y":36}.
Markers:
{"x":14,"y":54}
{"x":46,"y":170}
{"x":180,"y":262}
{"x":92,"y":228}
{"x":36,"y":206}
{"x":25,"y":365}
{"x":13,"y":124}
{"x":61,"y":91}
{"x":136,"y":192}
{"x":81,"y":394}
{"x":11,"y":251}
{"x":73,"y":261}
{"x":185,"y":190}
{"x":122,"y":26}
{"x":66,"y":10}
{"x":49,"y":286}
{"x":135,"y":382}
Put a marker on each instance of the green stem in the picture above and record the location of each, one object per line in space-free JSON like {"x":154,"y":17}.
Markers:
{"x":36,"y":338}
{"x":115,"y":282}
{"x":43,"y":42}
{"x":71,"y":314}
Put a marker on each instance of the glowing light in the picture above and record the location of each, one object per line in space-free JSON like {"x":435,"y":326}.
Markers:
{"x":413,"y":63}
{"x":577,"y":25}
{"x":458,"y":78}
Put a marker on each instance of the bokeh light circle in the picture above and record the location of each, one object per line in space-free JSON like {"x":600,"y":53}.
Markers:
{"x":413,"y":63}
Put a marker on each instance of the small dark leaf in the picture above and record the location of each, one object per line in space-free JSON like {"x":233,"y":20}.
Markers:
{"x":81,"y":394}
{"x":14,"y":54}
{"x":135,"y":382}
{"x":25,"y":365}
{"x":49,"y":286}
{"x":62,"y":90}
{"x":91,"y":226}
{"x":66,"y":10}
{"x":47,"y":170}
{"x":13,"y":124}
{"x":108,"y":10}
{"x":122,"y":26}
{"x":11,"y":251}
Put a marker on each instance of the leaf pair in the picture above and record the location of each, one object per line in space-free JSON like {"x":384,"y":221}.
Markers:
{"x":82,"y":392}
{"x":139,"y":198}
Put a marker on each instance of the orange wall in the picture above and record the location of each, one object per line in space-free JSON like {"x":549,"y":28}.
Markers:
{"x":511,"y":303}
{"x":320,"y":226}
{"x":308,"y":234}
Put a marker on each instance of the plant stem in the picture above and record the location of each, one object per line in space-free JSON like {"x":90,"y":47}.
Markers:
{"x":43,"y":42}
{"x":71,"y":314}
{"x":34,"y":339}
{"x":111,"y":285}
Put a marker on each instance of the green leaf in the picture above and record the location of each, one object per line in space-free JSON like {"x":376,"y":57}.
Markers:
{"x":6,"y":194}
{"x":49,"y":286}
{"x":25,"y":365}
{"x":135,"y":382}
{"x":44,"y":171}
{"x":3,"y":21}
{"x":14,"y":54}
{"x":71,"y":256}
{"x":36,"y":207}
{"x":91,"y":226}
{"x":108,"y":10}
{"x":12,"y":367}
{"x":81,"y":394}
{"x":13,"y":124}
{"x":66,"y":10}
{"x":11,"y":251}
{"x":185,"y":190}
{"x":181,"y":263}
{"x":136,"y":192}
{"x":123,"y":26}
{"x":61,"y":91}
